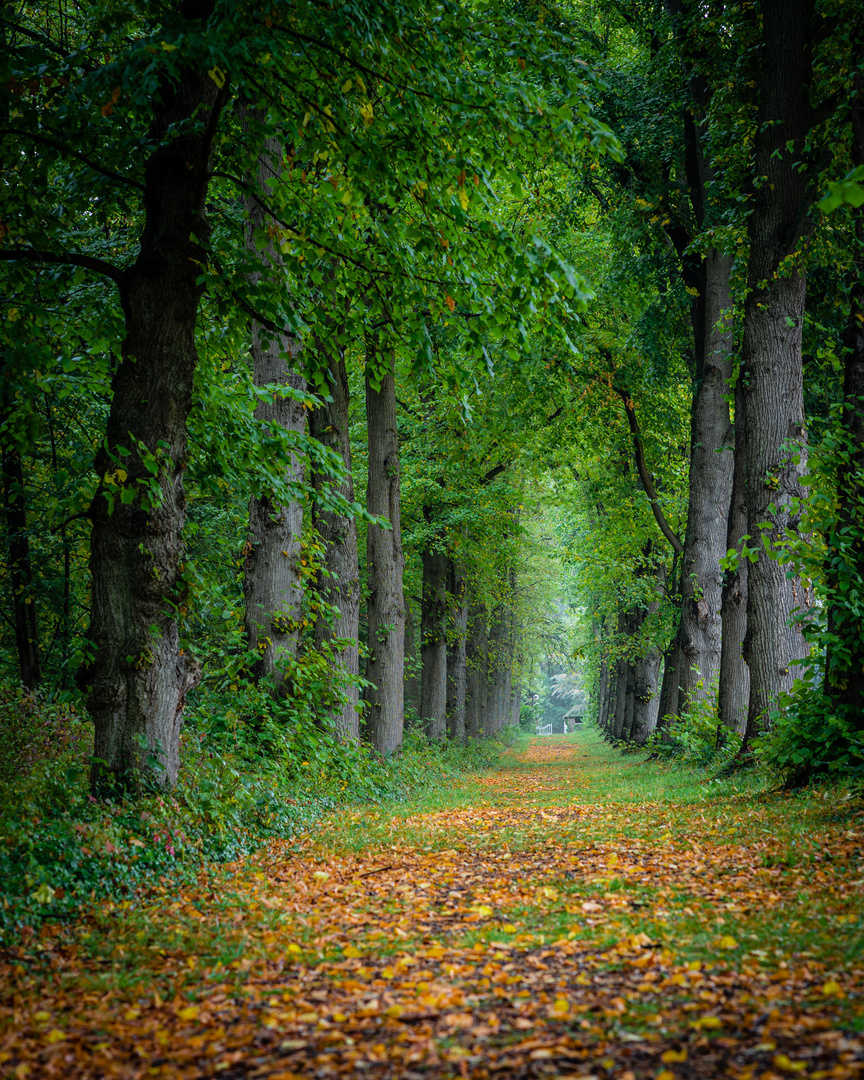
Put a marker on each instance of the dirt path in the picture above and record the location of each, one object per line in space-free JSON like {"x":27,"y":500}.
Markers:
{"x":562,"y":916}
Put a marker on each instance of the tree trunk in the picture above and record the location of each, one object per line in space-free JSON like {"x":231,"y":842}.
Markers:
{"x":138,"y":675}
{"x":497,"y":669}
{"x":385,"y":668}
{"x":476,"y":671}
{"x":844,"y":662}
{"x":603,"y":695}
{"x":734,"y":673}
{"x":646,"y":696}
{"x":710,"y":486}
{"x":773,"y":320}
{"x":456,"y":654}
{"x":23,"y":601}
{"x":620,"y":708}
{"x":339,"y":583}
{"x":271,"y":580}
{"x":412,"y":664}
{"x":516,"y":706}
{"x":433,"y":644}
{"x":669,"y":693}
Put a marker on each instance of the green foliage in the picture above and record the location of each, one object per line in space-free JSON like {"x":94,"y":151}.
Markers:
{"x":810,"y":737}
{"x":242,"y":782}
{"x":697,"y":736}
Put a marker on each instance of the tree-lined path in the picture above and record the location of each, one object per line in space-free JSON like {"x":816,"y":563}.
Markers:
{"x":569,"y":913}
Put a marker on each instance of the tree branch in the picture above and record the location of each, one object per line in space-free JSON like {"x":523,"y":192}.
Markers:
{"x":645,"y":475}
{"x":66,"y":258}
{"x":57,"y":145}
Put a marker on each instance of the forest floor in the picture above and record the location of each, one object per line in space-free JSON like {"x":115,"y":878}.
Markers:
{"x":571,"y":913}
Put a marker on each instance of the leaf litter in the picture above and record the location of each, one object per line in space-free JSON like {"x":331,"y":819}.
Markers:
{"x":530,"y":930}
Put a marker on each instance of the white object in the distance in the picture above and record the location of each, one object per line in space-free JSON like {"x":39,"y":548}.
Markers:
{"x":547,"y":730}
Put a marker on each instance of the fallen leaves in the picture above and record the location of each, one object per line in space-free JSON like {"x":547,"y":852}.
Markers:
{"x":488,"y":940}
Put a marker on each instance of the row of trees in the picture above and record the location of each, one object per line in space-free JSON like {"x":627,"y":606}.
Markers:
{"x":312,"y":267}
{"x":214,"y":217}
{"x":748,"y":111}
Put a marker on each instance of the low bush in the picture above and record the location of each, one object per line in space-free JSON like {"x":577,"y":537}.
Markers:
{"x":242,"y":782}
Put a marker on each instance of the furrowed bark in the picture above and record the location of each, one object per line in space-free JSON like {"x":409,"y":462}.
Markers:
{"x":710,"y":489}
{"x":773,"y":320}
{"x":271,"y":580}
{"x":734,"y":673}
{"x":385,"y":668}
{"x":475,"y":705}
{"x":433,"y":643}
{"x":412,"y":666}
{"x":138,"y":675}
{"x":339,"y":582}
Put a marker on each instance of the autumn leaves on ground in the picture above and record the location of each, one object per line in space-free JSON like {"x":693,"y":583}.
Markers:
{"x":572,"y":913}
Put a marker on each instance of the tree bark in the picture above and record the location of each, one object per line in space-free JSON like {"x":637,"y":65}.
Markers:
{"x":412,"y":664}
{"x":477,"y":657}
{"x":734,"y":673}
{"x":456,"y":654}
{"x":138,"y":675}
{"x":385,"y":668}
{"x":773,"y":320}
{"x":271,"y":579}
{"x":339,"y":582}
{"x":23,"y":600}
{"x":844,"y":662}
{"x":710,"y":489}
{"x":433,"y":643}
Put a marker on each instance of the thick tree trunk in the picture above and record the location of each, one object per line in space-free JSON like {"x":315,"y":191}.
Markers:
{"x":271,"y":580}
{"x":646,"y":696}
{"x":710,"y":486}
{"x":339,"y":583}
{"x":516,"y":706}
{"x":734,"y":673}
{"x":669,"y":692}
{"x":433,"y":644}
{"x":23,"y":600}
{"x":412,"y":662}
{"x":773,"y":320}
{"x":622,"y":669}
{"x":385,"y":668}
{"x":475,"y":704}
{"x":138,"y":676}
{"x":603,"y":695}
{"x":844,"y":663}
{"x":497,"y":675}
{"x":456,"y":654}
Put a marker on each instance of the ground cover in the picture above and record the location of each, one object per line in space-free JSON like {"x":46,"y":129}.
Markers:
{"x":569,"y":913}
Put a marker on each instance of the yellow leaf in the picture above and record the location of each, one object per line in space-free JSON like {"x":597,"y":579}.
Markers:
{"x":169,"y":48}
{"x":673,"y":1057}
{"x":613,"y":859}
{"x":321,"y":875}
{"x":56,"y":1036}
{"x":781,"y":1061}
{"x":727,"y":942}
{"x":463,"y":198}
{"x":832,"y":989}
{"x":352,"y":952}
{"x":292,"y":948}
{"x":189,"y":1013}
{"x":218,"y":76}
{"x":394,"y":1010}
{"x":666,"y":1075}
{"x":561,"y":1006}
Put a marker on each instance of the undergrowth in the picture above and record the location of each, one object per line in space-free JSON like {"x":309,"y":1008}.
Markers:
{"x":244,"y":780}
